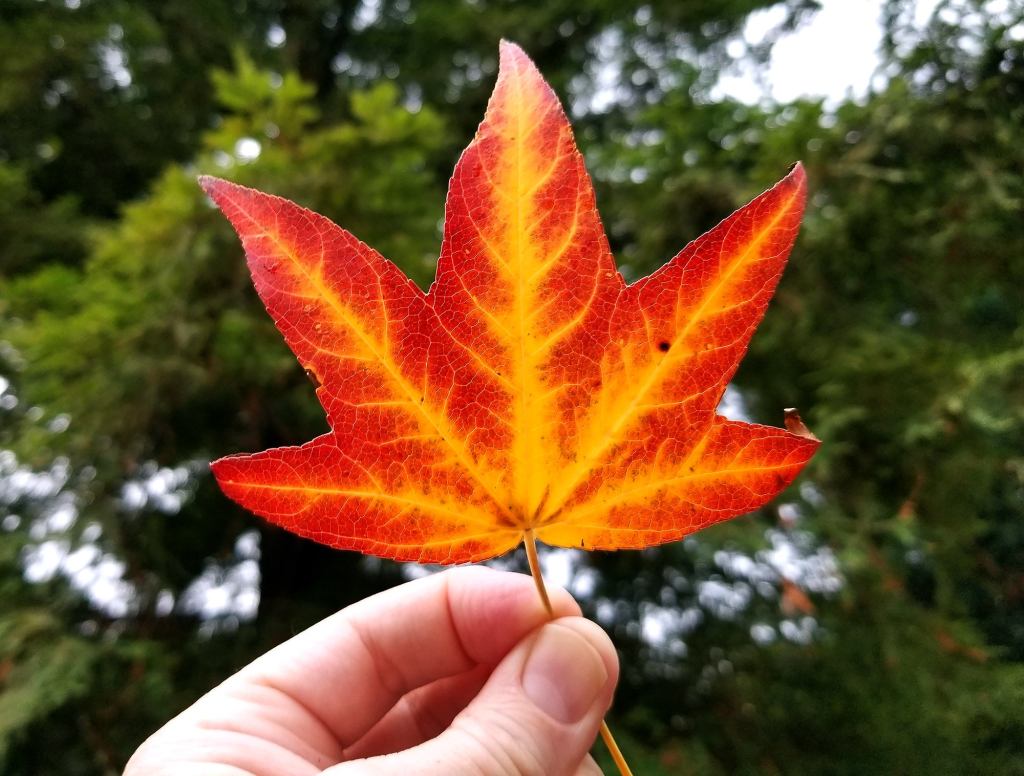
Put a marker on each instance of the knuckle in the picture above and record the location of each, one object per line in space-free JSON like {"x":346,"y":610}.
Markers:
{"x":505,"y":745}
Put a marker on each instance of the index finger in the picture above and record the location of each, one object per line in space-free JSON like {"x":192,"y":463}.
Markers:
{"x":350,"y":669}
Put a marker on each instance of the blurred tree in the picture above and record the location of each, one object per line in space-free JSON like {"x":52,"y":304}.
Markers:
{"x":134,"y":350}
{"x":97,"y":97}
{"x":165,"y":329}
{"x":900,"y":326}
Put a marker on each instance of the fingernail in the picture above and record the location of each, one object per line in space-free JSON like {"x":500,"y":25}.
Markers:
{"x":564,"y":674}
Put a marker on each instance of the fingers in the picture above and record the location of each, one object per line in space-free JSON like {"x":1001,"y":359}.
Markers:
{"x":421,"y":715}
{"x":589,"y":767}
{"x":350,"y":669}
{"x":298,"y":708}
{"x":537,"y":715}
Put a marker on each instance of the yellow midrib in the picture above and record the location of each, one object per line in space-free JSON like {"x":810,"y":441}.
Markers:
{"x":576,"y":473}
{"x":526,"y":448}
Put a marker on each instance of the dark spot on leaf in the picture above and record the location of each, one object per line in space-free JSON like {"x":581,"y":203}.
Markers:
{"x":663,"y":346}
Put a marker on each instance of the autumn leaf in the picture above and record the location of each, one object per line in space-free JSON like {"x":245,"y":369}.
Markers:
{"x":531,"y":392}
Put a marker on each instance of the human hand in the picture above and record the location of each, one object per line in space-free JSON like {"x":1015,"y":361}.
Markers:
{"x":461,"y":672}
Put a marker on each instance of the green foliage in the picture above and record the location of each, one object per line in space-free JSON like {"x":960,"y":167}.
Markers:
{"x":260,"y":102}
{"x":167,"y":285}
{"x":33,"y":231}
{"x":43,"y":669}
{"x":125,"y":303}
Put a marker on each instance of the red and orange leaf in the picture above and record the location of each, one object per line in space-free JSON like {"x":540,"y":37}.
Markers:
{"x":531,"y":389}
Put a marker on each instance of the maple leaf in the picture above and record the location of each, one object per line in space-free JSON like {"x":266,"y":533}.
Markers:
{"x":531,"y":392}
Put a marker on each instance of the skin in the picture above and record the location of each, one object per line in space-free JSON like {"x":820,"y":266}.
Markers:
{"x":461,"y":672}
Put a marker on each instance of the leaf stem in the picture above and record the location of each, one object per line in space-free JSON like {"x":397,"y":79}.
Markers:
{"x":613,"y":750}
{"x":530,"y":543}
{"x":538,"y":578}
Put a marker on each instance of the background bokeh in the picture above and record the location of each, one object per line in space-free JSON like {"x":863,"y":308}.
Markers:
{"x":870,"y":621}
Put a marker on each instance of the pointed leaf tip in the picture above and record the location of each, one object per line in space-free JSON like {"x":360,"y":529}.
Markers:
{"x":796,"y":178}
{"x":508,"y":48}
{"x":795,"y":424}
{"x":798,"y":173}
{"x":511,"y":57}
{"x":218,"y":188}
{"x":209,"y":183}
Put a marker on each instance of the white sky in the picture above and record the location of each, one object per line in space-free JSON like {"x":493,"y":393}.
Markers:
{"x":834,"y":55}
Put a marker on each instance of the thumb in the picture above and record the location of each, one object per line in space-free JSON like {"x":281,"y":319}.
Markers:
{"x":538,"y":714}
